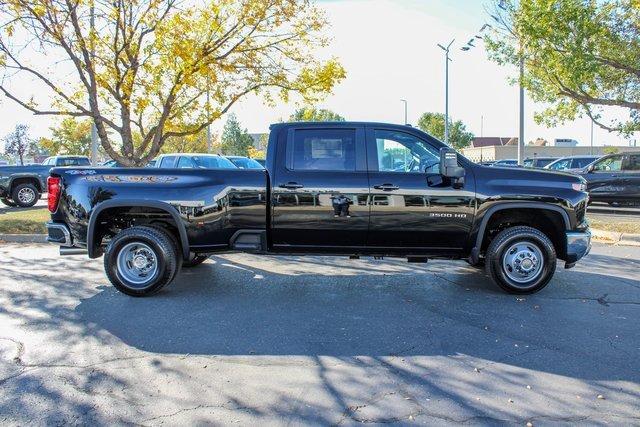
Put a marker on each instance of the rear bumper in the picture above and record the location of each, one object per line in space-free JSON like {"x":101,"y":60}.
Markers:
{"x":59,"y":234}
{"x":578,"y":245}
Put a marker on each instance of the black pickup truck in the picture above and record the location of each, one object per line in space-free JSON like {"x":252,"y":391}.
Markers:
{"x":348,"y":189}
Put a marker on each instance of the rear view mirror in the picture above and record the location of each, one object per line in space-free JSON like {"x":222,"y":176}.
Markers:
{"x":449,"y":163}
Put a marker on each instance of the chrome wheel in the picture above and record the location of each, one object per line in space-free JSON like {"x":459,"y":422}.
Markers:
{"x":26,"y":195}
{"x":523,"y":262}
{"x":137,"y":264}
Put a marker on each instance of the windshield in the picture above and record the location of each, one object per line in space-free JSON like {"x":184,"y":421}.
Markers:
{"x":212,"y":162}
{"x":245,"y":163}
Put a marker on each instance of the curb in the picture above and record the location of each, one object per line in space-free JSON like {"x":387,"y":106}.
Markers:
{"x":613,"y":237}
{"x":23,"y":238}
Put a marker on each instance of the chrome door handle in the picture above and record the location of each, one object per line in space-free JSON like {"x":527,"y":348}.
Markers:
{"x":386,"y":187}
{"x":291,"y":185}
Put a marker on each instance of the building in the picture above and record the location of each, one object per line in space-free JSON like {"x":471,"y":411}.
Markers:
{"x":565,"y":142}
{"x":499,"y":152}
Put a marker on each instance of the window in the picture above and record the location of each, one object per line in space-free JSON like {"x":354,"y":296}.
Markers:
{"x":212,"y":162}
{"x":634,"y":163}
{"x":167,"y":162}
{"x":583,"y":162}
{"x":402,"y":152}
{"x":543,"y":162}
{"x":184,"y":163}
{"x":245,"y":163}
{"x":324,"y":149}
{"x":610,"y":164}
{"x":73,"y":161}
{"x":560,"y":165}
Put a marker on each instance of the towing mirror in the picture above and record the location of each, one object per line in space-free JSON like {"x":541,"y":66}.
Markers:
{"x":449,"y":163}
{"x":590,"y":168}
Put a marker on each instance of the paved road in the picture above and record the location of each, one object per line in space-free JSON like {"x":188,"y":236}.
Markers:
{"x":250,"y":340}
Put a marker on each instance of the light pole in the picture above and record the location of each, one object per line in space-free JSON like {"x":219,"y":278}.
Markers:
{"x":591,"y":149}
{"x":406,"y":121}
{"x":446,"y":90}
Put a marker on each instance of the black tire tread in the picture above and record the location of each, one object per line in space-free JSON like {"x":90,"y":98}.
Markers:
{"x":493,"y":261}
{"x":17,"y":188}
{"x":152,"y":235}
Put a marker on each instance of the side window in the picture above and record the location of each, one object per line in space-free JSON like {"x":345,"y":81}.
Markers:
{"x":185,"y":162}
{"x":561,"y":164}
{"x":167,"y":162}
{"x":634,"y":163}
{"x":610,"y":164}
{"x":402,"y":152}
{"x":581,"y":163}
{"x":324,"y":149}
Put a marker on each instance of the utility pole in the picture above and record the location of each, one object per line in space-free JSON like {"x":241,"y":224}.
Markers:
{"x":521,"y":133}
{"x":209,"y":147}
{"x":591,"y":150}
{"x":406,"y":120}
{"x":481,"y":126}
{"x":94,"y":130}
{"x":446,"y":90}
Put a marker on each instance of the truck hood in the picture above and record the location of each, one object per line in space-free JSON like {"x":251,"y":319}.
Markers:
{"x":523,"y":177}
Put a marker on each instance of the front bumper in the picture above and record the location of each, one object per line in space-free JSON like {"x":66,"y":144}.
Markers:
{"x":578,"y":245}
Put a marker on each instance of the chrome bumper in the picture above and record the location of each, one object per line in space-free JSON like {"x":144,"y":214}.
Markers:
{"x":59,"y":234}
{"x":578,"y":245}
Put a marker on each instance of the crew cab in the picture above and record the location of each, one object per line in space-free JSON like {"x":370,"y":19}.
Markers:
{"x":23,"y":185}
{"x":342,"y":189}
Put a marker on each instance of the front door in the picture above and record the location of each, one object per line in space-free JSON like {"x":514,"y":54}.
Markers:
{"x":320,"y":191}
{"x":632,"y":178}
{"x":412,"y":205}
{"x":606,"y":180}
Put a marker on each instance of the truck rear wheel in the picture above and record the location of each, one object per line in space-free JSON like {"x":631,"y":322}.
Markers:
{"x":521,"y":260}
{"x":8,"y":202}
{"x":25,"y":195}
{"x":140,"y":261}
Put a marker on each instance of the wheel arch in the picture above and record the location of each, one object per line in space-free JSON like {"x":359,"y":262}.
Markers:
{"x":154,"y":204}
{"x":482,"y":228}
{"x":25,"y":179}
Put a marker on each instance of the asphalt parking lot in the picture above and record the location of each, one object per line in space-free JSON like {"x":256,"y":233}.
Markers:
{"x":245,"y":339}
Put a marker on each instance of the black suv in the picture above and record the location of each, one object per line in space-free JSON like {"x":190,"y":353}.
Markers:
{"x":614,"y":179}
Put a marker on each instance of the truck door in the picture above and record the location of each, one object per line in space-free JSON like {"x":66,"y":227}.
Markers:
{"x":606,"y":180}
{"x":632,"y":178}
{"x":413,"y":206}
{"x":320,"y":189}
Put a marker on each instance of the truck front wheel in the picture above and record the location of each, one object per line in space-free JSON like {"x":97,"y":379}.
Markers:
{"x":140,"y":261}
{"x":521,"y":260}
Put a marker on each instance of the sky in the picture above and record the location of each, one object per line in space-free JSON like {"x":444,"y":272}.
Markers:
{"x":389,"y":50}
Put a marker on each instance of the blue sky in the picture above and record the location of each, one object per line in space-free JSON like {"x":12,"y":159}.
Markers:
{"x":389,"y":49}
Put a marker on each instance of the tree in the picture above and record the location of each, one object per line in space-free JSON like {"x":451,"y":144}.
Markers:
{"x":71,"y":136}
{"x":312,"y":114}
{"x":581,"y":57}
{"x":150,"y":70}
{"x":235,"y":141}
{"x":19,"y":144}
{"x":433,"y":124}
{"x":196,"y":143}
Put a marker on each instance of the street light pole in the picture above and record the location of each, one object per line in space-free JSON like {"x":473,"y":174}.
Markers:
{"x":446,"y":90}
{"x":591,"y":150}
{"x":521,"y":133}
{"x":406,"y":120}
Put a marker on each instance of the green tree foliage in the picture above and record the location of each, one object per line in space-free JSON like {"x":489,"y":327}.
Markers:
{"x":581,"y":57}
{"x":235,"y":141}
{"x":151,"y":70}
{"x":19,"y":144}
{"x":312,"y":114}
{"x":433,"y":124}
{"x":71,"y":136}
{"x":196,"y":143}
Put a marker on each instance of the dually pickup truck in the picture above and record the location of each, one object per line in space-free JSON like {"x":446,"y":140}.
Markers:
{"x":347,"y":188}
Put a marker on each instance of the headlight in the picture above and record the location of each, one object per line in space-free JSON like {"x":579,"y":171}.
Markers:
{"x":579,"y":186}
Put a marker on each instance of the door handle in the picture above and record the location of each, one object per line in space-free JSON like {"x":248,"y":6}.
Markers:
{"x":291,"y":185}
{"x":386,"y":187}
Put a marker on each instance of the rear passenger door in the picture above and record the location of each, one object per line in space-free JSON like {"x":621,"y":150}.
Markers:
{"x":320,"y":189}
{"x":631,"y":170}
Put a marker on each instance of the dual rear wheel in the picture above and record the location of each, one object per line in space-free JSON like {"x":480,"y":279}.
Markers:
{"x":139,"y":261}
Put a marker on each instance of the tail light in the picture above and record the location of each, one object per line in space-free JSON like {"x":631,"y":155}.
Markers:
{"x":53,"y":188}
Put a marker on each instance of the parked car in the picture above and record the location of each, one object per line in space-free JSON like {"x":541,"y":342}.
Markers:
{"x":330,"y":189}
{"x":263,"y":162}
{"x":506,"y":163}
{"x":571,"y":163}
{"x":242,"y":162}
{"x":112,"y":164}
{"x":23,"y":185}
{"x":538,"y":162}
{"x":193,"y":161}
{"x":614,"y":179}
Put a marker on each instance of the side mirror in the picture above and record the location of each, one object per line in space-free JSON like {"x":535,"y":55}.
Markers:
{"x":590,"y":168}
{"x":449,"y":167}
{"x":449,"y":163}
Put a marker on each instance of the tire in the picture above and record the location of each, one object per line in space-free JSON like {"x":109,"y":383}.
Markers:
{"x":519,"y":252}
{"x":139,"y":245}
{"x":195,"y":261}
{"x":25,"y":195}
{"x":8,"y":202}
